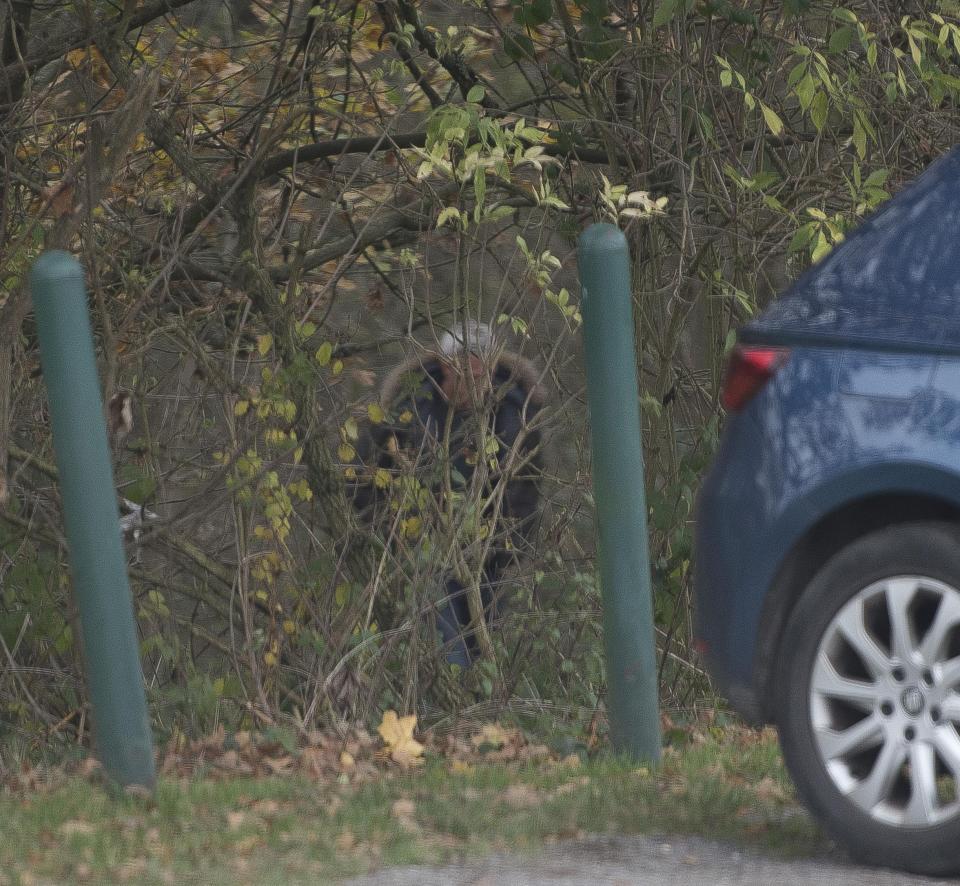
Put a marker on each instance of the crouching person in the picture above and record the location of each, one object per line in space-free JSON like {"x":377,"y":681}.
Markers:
{"x":460,"y":449}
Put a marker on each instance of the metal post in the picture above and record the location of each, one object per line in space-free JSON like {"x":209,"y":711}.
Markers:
{"x":618,"y":488}
{"x":114,"y":674}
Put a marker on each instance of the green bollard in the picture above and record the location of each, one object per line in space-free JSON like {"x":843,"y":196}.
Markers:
{"x":114,"y":673}
{"x":618,"y":489}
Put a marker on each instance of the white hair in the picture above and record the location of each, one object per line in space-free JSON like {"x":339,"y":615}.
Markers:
{"x":473,"y":336}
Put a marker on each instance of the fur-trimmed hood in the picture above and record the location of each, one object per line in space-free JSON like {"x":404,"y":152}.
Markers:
{"x":520,"y":369}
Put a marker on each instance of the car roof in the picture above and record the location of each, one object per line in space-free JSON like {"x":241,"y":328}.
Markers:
{"x":893,"y":284}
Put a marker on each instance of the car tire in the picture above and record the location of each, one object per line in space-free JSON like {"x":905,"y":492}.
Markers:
{"x":867,"y":698}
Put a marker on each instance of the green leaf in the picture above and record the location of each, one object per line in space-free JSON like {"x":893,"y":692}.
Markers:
{"x":822,"y":247}
{"x":476,"y":93}
{"x":533,"y":12}
{"x":802,"y":237}
{"x":841,"y":39}
{"x":806,"y":89}
{"x":859,"y":138}
{"x":796,"y":73}
{"x":542,"y":10}
{"x":324,"y":353}
{"x":480,"y":186}
{"x":137,"y":485}
{"x":914,"y":49}
{"x":796,"y":7}
{"x":495,"y":213}
{"x":818,"y":110}
{"x":665,"y":12}
{"x":306,"y":329}
{"x":774,"y":123}
{"x":449,"y":214}
{"x":518,"y":46}
{"x":844,"y":15}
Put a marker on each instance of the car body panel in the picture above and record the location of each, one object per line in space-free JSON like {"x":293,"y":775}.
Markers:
{"x":832,"y":427}
{"x":892,"y":285}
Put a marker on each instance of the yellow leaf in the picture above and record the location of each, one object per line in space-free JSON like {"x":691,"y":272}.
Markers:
{"x":270,"y":660}
{"x":76,"y":57}
{"x":411,"y":527}
{"x":375,"y":413}
{"x":289,"y":627}
{"x":350,"y":429}
{"x":382,"y":478}
{"x":491,"y":734}
{"x":405,"y":416}
{"x":397,"y":735}
{"x":241,"y":407}
{"x":264,"y":343}
{"x":337,"y":367}
{"x":346,"y":452}
{"x":346,"y":760}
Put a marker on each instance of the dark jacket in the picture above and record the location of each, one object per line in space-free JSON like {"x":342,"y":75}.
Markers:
{"x":413,"y":438}
{"x":413,"y":442}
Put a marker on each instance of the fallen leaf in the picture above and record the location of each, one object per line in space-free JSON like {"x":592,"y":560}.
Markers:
{"x":132,"y":870}
{"x":314,"y":761}
{"x":279,"y":766}
{"x":230,"y":761}
{"x":403,"y":811}
{"x":491,"y":734}
{"x":768,"y":789}
{"x":90,"y":766}
{"x":520,"y":796}
{"x":266,"y":808}
{"x":568,"y":787}
{"x":534,"y":752}
{"x":397,"y":734}
{"x":75,"y":826}
{"x":345,"y":840}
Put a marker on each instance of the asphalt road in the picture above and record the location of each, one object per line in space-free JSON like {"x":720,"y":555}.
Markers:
{"x":645,"y":861}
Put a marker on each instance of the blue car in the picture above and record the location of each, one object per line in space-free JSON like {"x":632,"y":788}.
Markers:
{"x":828,"y":531}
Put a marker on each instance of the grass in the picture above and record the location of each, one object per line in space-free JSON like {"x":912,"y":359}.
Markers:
{"x":725,"y":784}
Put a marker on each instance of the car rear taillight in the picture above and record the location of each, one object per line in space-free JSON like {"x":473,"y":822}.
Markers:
{"x":749,"y":369}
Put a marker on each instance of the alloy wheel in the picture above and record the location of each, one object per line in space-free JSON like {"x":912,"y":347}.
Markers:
{"x":884,"y":701}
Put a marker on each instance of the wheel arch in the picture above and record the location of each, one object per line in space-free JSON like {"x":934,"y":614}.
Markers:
{"x":832,"y":529}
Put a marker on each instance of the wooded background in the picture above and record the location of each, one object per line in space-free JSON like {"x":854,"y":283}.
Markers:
{"x":277,"y":200}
